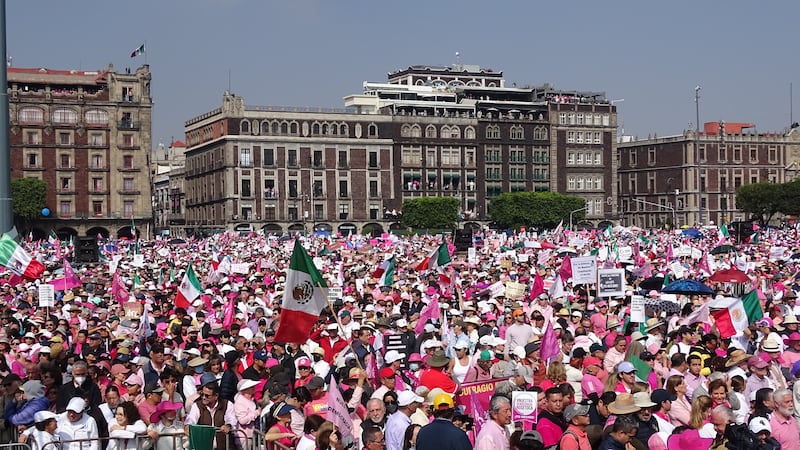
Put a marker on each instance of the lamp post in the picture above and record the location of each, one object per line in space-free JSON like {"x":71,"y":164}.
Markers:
{"x":573,"y":212}
{"x":658,"y":205}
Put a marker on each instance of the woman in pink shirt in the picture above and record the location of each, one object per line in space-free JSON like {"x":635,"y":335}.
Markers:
{"x":681,"y":411}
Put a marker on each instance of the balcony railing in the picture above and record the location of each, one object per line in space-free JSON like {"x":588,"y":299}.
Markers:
{"x":128,"y":125}
{"x":129,"y":192}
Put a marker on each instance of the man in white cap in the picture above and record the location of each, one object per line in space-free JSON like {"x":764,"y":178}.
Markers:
{"x":74,"y":423}
{"x":396,"y":424}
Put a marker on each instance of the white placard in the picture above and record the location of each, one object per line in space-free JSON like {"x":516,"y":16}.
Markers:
{"x":625,"y":253}
{"x":112,"y":266}
{"x":138,"y":260}
{"x":472,"y":255}
{"x":584,"y":270}
{"x":163,"y":252}
{"x":682,"y":250}
{"x":334,"y":293}
{"x":610,"y":282}
{"x":637,"y":309}
{"x":244,"y":268}
{"x":514,"y":290}
{"x":776,"y":253}
{"x":696,"y":253}
{"x":677,"y":269}
{"x":497,"y":288}
{"x":47,"y":296}
{"x":522,"y":257}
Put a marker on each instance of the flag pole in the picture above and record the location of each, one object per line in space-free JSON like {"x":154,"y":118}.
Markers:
{"x":341,"y":330}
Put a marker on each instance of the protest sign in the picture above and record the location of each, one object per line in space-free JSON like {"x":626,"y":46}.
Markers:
{"x":584,"y":270}
{"x":610,"y":282}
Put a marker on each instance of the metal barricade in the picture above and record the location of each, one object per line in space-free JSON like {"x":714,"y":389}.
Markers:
{"x":16,"y":446}
{"x":170,"y":441}
{"x":260,"y":443}
{"x":142,"y":443}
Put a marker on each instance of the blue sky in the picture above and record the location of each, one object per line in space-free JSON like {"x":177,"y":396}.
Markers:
{"x":313,"y":53}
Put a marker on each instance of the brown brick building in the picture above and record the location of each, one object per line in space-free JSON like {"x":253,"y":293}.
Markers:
{"x":87,"y":135}
{"x":695,"y":176}
{"x":430,"y":131}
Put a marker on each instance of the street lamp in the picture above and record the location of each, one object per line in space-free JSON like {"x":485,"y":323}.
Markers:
{"x":573,"y":212}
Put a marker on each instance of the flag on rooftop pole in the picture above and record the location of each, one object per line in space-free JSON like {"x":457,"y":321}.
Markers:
{"x":304,"y":297}
{"x":138,"y":51}
{"x":16,"y":259}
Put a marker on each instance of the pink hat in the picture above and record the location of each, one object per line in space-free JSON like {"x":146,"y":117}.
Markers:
{"x":271,"y":362}
{"x":415,"y":357}
{"x":303,"y":362}
{"x":601,"y":303}
{"x":591,"y":361}
{"x":794,"y":337}
{"x":162,"y":408}
{"x":134,"y":379}
{"x":430,"y":291}
{"x":653,"y":293}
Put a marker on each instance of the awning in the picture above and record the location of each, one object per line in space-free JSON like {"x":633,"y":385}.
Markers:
{"x":431,"y":175}
{"x":456,"y":177}
{"x":470,"y":177}
{"x":408,"y":176}
{"x":471,"y":201}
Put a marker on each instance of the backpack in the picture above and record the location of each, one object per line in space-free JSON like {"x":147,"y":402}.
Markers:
{"x":567,"y":432}
{"x":741,"y":438}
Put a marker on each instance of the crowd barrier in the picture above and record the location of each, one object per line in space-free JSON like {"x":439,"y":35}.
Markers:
{"x":15,"y":446}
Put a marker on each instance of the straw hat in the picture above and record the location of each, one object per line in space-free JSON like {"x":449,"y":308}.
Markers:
{"x":736,"y":357}
{"x":624,"y":404}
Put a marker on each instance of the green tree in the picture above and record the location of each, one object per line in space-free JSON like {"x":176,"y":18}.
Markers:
{"x":763,"y":200}
{"x":543,"y":209}
{"x":431,"y":212}
{"x":29,"y":197}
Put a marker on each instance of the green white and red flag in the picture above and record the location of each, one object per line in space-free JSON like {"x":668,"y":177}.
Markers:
{"x":304,"y":298}
{"x":14,"y":258}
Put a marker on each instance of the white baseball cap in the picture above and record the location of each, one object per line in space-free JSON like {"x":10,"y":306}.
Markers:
{"x":405,"y":398}
{"x":393,"y":355}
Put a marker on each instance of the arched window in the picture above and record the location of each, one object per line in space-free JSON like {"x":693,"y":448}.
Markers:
{"x":275,"y":128}
{"x":244,"y":127}
{"x":372,"y":131}
{"x":324,"y":128}
{"x":455,"y":132}
{"x":265,"y":127}
{"x":293,"y":128}
{"x":430,"y":131}
{"x":284,"y":128}
{"x":343,"y":130}
{"x":334,"y":129}
{"x":469,"y":133}
{"x":415,"y":131}
{"x":65,"y":115}
{"x":96,"y":117}
{"x":315,"y":129}
{"x":539,"y":134}
{"x":405,"y":131}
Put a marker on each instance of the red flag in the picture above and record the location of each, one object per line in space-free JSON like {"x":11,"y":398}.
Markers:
{"x":537,"y":287}
{"x":566,"y":269}
{"x":549,"y":347}
{"x":118,"y":289}
{"x":431,"y":311}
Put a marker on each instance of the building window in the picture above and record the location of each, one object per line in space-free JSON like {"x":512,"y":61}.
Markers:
{"x":469,"y":158}
{"x":539,"y":134}
{"x":737,"y":153}
{"x":292,"y":188}
{"x":579,"y":158}
{"x":245,"y":158}
{"x":701,"y":152}
{"x":416,"y":131}
{"x":579,"y":137}
{"x":66,"y":183}
{"x":517,"y":132}
{"x":96,"y":162}
{"x":723,"y":153}
{"x":96,"y":117}
{"x":97,"y":184}
{"x":65,"y":208}
{"x":269,"y":157}
{"x":571,"y":183}
{"x":570,"y":158}
{"x":373,"y":188}
{"x":411,"y":156}
{"x":373,"y":160}
{"x":651,"y":156}
{"x":127,"y":208}
{"x":469,"y":133}
{"x":597,"y":119}
{"x":127,"y":140}
{"x":632,"y":157}
{"x":65,"y":115}
{"x":65,"y":161}
{"x":562,"y":118}
{"x":343,"y":189}
{"x":493,"y":132}
{"x":31,"y":115}
{"x":579,"y":119}
{"x":244,"y":126}
{"x":598,"y":206}
{"x":344,"y":210}
{"x":597,"y":137}
{"x":598,"y":159}
{"x":772,"y":154}
{"x":127,"y":161}
{"x":753,"y":153}
{"x":570,"y":137}
{"x":269,"y":212}
{"x":430,"y":157}
{"x":579,"y":183}
{"x":571,"y":119}
{"x":246,"y":189}
{"x":342,"y":161}
{"x":128,"y":184}
{"x":33,"y":138}
{"x":97,"y":207}
{"x":96,"y":139}
{"x":33,"y":160}
{"x":606,"y":120}
{"x":372,"y":131}
{"x":292,"y":158}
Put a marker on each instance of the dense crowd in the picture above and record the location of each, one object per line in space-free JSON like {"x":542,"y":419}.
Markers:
{"x":116,"y":361}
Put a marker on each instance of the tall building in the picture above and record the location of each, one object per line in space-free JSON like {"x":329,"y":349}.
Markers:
{"x":428,"y":131}
{"x":87,"y":135}
{"x":169,"y":202}
{"x":691,"y":179}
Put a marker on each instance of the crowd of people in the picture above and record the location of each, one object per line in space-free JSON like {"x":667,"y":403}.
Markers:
{"x":120,"y":362}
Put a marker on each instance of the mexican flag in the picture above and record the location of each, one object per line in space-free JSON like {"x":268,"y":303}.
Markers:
{"x":437,"y":260}
{"x":733,"y":315}
{"x":17,"y":260}
{"x":189,"y":289}
{"x":138,"y":51}
{"x":722,"y":233}
{"x":304,"y":298}
{"x":385,"y":272}
{"x":53,"y":238}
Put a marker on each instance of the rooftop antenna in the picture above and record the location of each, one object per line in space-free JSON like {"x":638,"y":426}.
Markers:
{"x":458,"y":59}
{"x":229,"y":79}
{"x":791,"y":106}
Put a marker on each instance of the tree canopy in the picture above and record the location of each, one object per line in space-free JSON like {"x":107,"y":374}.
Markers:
{"x":542,"y":209}
{"x":763,"y":200}
{"x":29,"y":197}
{"x":431,"y":212}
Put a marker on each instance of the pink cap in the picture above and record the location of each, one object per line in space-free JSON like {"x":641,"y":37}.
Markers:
{"x":591,"y":361}
{"x":303,"y":362}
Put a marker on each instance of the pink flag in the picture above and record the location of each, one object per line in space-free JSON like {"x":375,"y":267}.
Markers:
{"x":69,"y":274}
{"x":537,"y":287}
{"x":549,"y":347}
{"x":477,"y":411}
{"x":338,"y":413}
{"x":703,"y":265}
{"x":118,"y":289}
{"x":57,"y":245}
{"x":431,"y":311}
{"x":229,"y":311}
{"x":566,"y":268}
{"x":669,"y":251}
{"x":372,"y":371}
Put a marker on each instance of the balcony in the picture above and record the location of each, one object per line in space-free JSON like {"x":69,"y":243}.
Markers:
{"x":98,"y":191}
{"x":67,"y":168}
{"x":318,"y":165}
{"x":98,"y":168}
{"x":128,"y":146}
{"x":270,"y":195}
{"x":128,"y":125}
{"x":246,"y":164}
{"x":342,"y":165}
{"x":32,"y":167}
{"x":129,"y":192}
{"x":129,"y":169}
{"x":66,"y":190}
{"x":130,"y":99}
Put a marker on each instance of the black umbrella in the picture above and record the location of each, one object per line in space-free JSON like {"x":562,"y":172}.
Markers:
{"x":660,"y":306}
{"x":176,"y":241}
{"x":722,"y":249}
{"x":652,"y":284}
{"x":687,"y":287}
